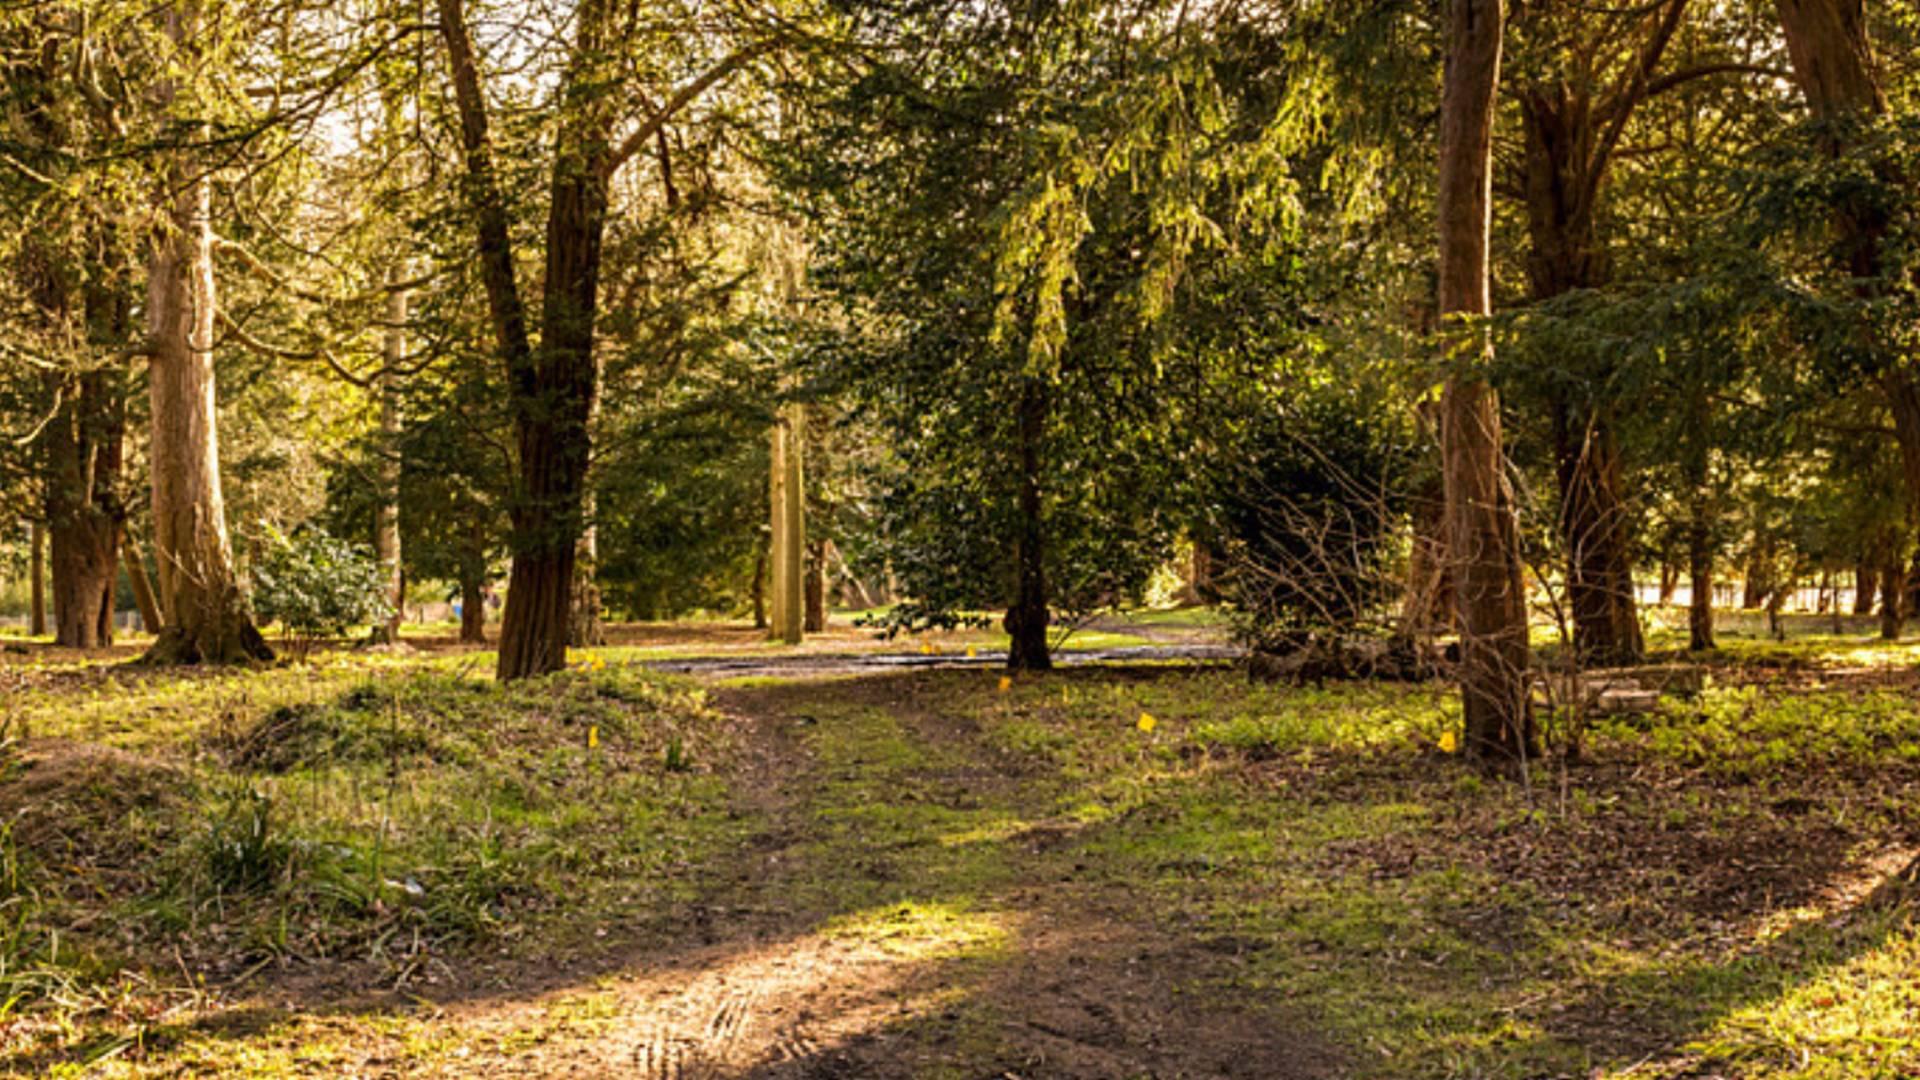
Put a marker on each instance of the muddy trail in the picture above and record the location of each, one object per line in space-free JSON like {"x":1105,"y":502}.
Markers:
{"x":912,"y":904}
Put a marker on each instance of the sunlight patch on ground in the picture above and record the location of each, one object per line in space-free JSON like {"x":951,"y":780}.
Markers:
{"x":920,"y":931}
{"x":785,"y":1000}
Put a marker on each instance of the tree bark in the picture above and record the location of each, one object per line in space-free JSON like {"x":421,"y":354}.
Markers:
{"x":551,"y":391}
{"x":1028,"y":616}
{"x":1911,"y":580}
{"x":1834,"y":63}
{"x":1832,"y":55}
{"x":130,"y":558}
{"x":585,"y":627}
{"x":787,"y":550}
{"x":1866,"y":585}
{"x":210,"y":621}
{"x":473,"y":610}
{"x":1759,"y":582}
{"x":816,"y":587}
{"x":1593,"y":525}
{"x":37,"y":578}
{"x":85,"y":557}
{"x":472,"y":572}
{"x":1427,"y":603}
{"x":1564,"y":169}
{"x":760,"y":589}
{"x":1700,"y":578}
{"x":386,"y":525}
{"x":1482,"y":535}
{"x":1892,"y":595}
{"x":81,"y":448}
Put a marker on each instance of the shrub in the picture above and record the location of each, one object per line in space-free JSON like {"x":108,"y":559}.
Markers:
{"x":317,"y":586}
{"x":1310,"y":523}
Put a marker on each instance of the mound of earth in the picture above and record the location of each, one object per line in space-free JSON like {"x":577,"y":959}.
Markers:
{"x":77,"y":805}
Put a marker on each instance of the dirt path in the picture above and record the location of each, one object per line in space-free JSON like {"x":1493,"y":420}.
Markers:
{"x":914,"y":906}
{"x":805,"y":665}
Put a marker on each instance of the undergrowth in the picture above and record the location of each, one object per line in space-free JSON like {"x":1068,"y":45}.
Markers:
{"x":1712,"y":889}
{"x":384,"y":816}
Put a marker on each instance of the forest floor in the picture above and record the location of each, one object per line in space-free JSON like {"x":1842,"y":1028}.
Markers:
{"x":377,"y":865}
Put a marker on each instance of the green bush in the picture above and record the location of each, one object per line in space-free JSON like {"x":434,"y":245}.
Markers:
{"x":316,"y":586}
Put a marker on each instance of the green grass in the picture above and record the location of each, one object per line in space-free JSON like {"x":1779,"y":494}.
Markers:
{"x":1322,"y":827}
{"x":370,"y":811}
{"x":1705,"y":893}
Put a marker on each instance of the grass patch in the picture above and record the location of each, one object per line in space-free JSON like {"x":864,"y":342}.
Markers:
{"x":1712,"y":890}
{"x":388,"y":816}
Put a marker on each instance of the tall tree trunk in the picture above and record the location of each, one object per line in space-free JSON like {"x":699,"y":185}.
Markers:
{"x":81,"y":447}
{"x":787,"y":504}
{"x":1482,"y":535}
{"x":1700,"y":580}
{"x":136,"y":567}
{"x":1702,"y":508}
{"x":1893,"y":596}
{"x":1866,"y":585}
{"x":1426,"y":605}
{"x":210,"y":620}
{"x":473,"y":610}
{"x":85,"y":557}
{"x":386,"y":525}
{"x":1759,"y":582}
{"x":1198,"y":588}
{"x":585,"y":628}
{"x":760,"y":589}
{"x":1833,"y":62}
{"x":1593,"y":525}
{"x":1028,"y":616}
{"x":472,"y":572}
{"x":37,"y":579}
{"x":816,"y":589}
{"x":1564,"y":169}
{"x":551,"y":392}
{"x":1669,"y":579}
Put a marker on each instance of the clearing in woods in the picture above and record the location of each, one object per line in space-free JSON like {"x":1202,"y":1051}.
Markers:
{"x":1155,"y":870}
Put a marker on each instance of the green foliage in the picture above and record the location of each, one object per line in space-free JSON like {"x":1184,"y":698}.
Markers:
{"x":1051,"y":246}
{"x":1311,"y":518}
{"x":317,"y":586}
{"x":239,"y":851}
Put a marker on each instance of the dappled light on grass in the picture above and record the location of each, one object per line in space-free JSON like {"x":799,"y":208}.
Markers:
{"x":847,"y":872}
{"x":1828,"y":989}
{"x":719,"y":1010}
{"x":920,"y":931}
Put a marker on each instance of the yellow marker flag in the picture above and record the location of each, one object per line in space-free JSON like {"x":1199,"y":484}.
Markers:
{"x":970,"y":652}
{"x":1449,"y":742}
{"x":593,"y":737}
{"x":1146,"y":722}
{"x":1006,"y":683}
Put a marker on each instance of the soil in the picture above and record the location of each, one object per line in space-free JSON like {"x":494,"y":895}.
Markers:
{"x":1088,"y":988}
{"x":749,"y":981}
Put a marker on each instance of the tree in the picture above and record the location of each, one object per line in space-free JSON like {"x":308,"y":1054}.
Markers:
{"x":551,"y":385}
{"x":1583,"y":78}
{"x":76,"y":321}
{"x":210,"y":621}
{"x":386,"y":527}
{"x":1016,"y":233}
{"x":1482,"y":537}
{"x":1834,"y":64}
